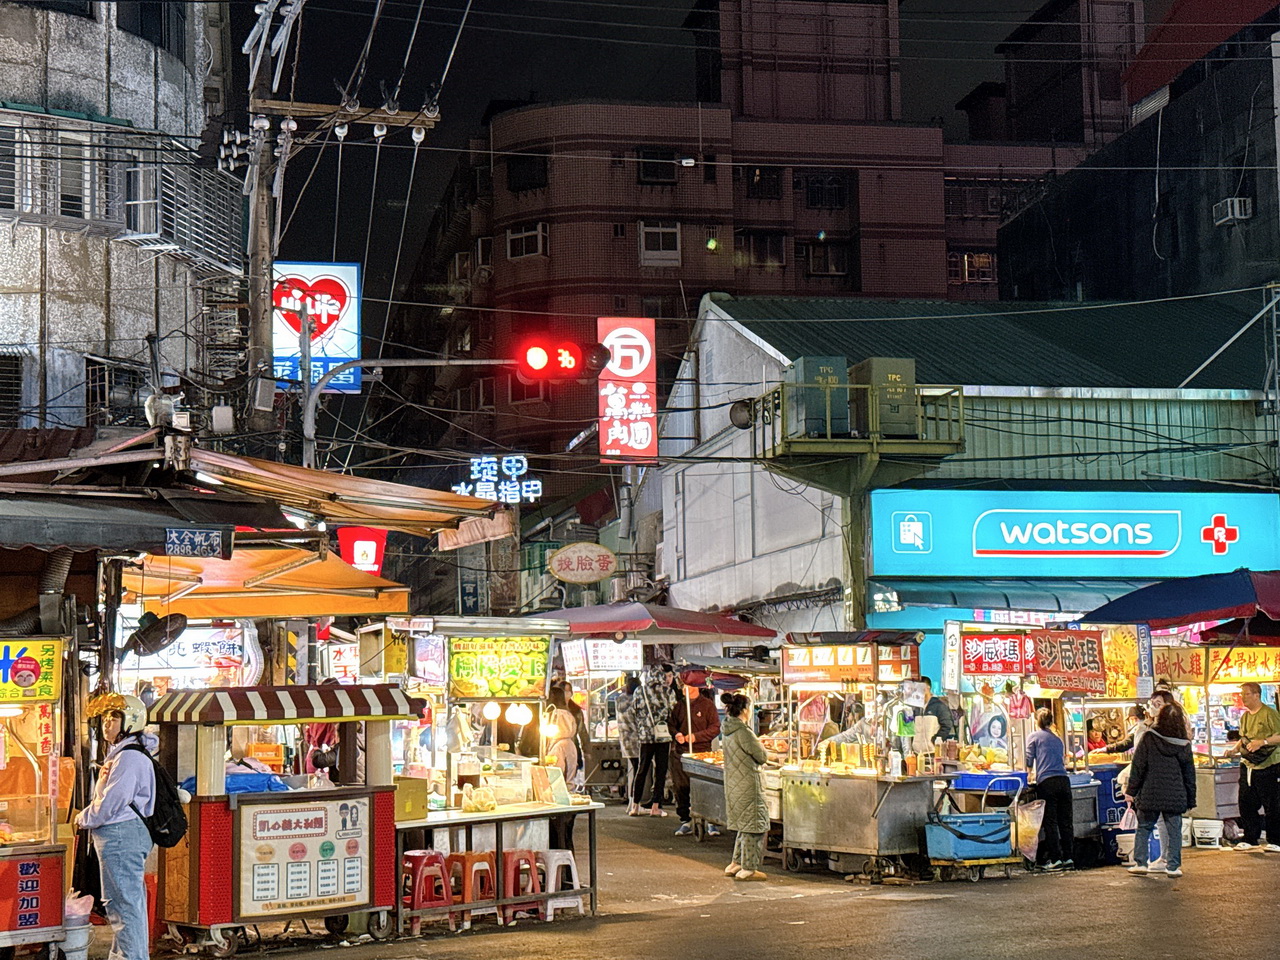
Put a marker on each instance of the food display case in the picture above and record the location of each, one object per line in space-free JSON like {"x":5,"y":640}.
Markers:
{"x":32,"y":793}
{"x":597,"y":669}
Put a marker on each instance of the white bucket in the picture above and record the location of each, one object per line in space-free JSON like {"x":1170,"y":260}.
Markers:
{"x":1207,"y":833}
{"x":76,"y":946}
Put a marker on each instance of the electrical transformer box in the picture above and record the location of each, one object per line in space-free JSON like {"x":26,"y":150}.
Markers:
{"x":820,"y":405}
{"x":893,"y":383}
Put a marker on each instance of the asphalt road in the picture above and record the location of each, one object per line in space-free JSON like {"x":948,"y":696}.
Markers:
{"x":663,"y":896}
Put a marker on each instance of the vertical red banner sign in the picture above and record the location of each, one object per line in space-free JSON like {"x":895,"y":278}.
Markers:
{"x":628,"y":390}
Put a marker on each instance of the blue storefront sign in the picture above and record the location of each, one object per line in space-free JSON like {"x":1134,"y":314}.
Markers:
{"x":979,"y":533}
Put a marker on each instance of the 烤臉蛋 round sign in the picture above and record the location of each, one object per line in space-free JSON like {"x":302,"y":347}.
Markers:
{"x":583,"y":563}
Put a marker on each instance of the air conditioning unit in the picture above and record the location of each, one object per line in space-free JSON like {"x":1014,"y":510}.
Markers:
{"x":543,"y":592}
{"x":1232,"y":210}
{"x":618,"y":590}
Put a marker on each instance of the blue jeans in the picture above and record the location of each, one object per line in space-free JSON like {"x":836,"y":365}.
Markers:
{"x":122,"y":856}
{"x":1170,"y":838}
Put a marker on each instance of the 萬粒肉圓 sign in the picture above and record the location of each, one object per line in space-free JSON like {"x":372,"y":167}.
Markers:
{"x":498,"y":668}
{"x":1030,"y":533}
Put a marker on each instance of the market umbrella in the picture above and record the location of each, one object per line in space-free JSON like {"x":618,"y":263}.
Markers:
{"x":1217,"y":596}
{"x":1260,"y":629}
{"x":654,"y":622}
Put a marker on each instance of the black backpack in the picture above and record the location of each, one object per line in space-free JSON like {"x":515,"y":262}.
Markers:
{"x":168,"y":822}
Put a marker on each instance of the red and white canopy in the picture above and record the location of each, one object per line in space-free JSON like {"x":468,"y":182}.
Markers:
{"x":246,"y":705}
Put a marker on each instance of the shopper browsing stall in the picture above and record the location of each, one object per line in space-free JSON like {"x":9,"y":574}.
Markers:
{"x":1046,"y":760}
{"x":1162,"y":786}
{"x":124,"y":794}
{"x":745,"y":808}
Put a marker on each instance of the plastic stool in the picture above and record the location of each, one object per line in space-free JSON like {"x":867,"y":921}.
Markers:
{"x":553,"y":864}
{"x":477,"y":870}
{"x":427,"y":881}
{"x":515,"y":863}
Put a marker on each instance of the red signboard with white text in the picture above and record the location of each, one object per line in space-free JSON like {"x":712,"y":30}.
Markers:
{"x":363,"y":548}
{"x":628,"y":390}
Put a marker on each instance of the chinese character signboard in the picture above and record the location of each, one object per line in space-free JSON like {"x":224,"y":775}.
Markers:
{"x":1071,"y":660}
{"x":328,"y":294}
{"x":503,"y":479}
{"x":30,"y":670}
{"x":831,"y":664}
{"x":363,"y":548}
{"x":997,"y":654}
{"x":612,"y":656}
{"x":582,"y":563}
{"x":198,"y":542}
{"x":303,"y":857}
{"x":498,"y":668}
{"x":1181,"y":665}
{"x":628,"y":386}
{"x":31,"y":893}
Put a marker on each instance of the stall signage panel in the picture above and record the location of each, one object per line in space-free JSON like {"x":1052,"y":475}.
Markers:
{"x":844,"y":664}
{"x":973,"y":533}
{"x":574,"y":654}
{"x":610,"y":656}
{"x":498,"y":668}
{"x":1071,"y":660}
{"x":304,"y":857}
{"x":1180,"y":665}
{"x":30,"y":670}
{"x":328,"y":296}
{"x":31,"y":893}
{"x":1244,"y":664}
{"x":627,"y":388}
{"x":997,"y":654}
{"x":428,"y":658}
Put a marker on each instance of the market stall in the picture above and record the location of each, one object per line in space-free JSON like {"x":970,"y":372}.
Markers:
{"x":597,"y":670}
{"x":264,"y":853}
{"x":865,"y":812}
{"x":35,"y":787}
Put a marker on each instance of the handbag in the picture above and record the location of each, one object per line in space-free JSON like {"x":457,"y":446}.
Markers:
{"x":1257,"y":756}
{"x":661,"y":732}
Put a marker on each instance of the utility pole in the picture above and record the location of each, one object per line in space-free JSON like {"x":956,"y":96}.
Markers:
{"x":260,"y":261}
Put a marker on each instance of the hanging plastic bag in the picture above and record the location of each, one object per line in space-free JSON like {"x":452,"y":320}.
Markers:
{"x":1130,"y":819}
{"x":1030,"y":817}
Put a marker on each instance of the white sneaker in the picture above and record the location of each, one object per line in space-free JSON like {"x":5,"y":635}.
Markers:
{"x":1272,"y":848}
{"x":1175,"y":872}
{"x":1139,"y":868}
{"x":1242,"y":846}
{"x":1157,"y":866}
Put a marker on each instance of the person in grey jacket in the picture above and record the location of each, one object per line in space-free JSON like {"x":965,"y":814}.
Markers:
{"x":1162,"y":785}
{"x":745,"y":809}
{"x":124,"y":794}
{"x":653,"y":702}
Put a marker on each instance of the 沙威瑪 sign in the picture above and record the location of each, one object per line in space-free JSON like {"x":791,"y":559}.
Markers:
{"x":1070,"y":660}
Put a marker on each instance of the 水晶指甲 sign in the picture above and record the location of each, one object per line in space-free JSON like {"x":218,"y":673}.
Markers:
{"x":1037,"y":533}
{"x":628,"y":386}
{"x":328,"y":294}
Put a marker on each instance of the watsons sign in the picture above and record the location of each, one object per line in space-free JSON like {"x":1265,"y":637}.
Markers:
{"x":1077,"y":533}
{"x":968,"y":533}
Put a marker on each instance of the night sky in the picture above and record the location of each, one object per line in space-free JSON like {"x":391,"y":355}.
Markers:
{"x":547,"y":50}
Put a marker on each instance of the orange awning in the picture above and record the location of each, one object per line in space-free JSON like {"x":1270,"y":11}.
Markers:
{"x":262,"y":583}
{"x":341,"y":499}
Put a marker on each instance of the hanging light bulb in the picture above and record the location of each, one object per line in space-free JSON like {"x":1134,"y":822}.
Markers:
{"x":492,"y":710}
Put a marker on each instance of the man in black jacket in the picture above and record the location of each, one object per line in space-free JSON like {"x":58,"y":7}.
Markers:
{"x":937,"y":707}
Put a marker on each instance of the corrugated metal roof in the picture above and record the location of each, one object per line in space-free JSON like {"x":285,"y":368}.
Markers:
{"x":1006,"y":343}
{"x":42,"y":443}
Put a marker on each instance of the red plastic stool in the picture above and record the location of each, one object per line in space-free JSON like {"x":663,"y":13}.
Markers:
{"x":477,"y":870}
{"x":426,"y":885}
{"x":520,"y":876}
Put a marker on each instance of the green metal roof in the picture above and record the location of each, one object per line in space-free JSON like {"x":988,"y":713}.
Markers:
{"x":1007,"y":343}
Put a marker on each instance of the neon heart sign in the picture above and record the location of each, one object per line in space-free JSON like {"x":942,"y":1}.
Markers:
{"x":328,"y":294}
{"x":324,"y":298}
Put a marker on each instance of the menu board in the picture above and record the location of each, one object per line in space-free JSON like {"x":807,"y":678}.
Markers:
{"x":574,"y":654}
{"x":612,"y":656}
{"x":498,"y":668}
{"x":1071,"y":660}
{"x":300,"y":857}
{"x":428,"y":658}
{"x":844,"y":664}
{"x":30,"y":670}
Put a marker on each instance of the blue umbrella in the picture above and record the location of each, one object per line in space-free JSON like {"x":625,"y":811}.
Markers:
{"x":1217,"y":596}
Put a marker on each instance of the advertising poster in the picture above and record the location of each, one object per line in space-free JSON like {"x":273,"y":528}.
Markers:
{"x":328,"y":294}
{"x":301,"y":857}
{"x":498,"y":668}
{"x":628,"y":390}
{"x":30,"y":670}
{"x":1071,"y":660}
{"x":31,"y":892}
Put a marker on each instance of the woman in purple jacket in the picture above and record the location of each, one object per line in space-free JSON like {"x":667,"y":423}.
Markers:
{"x":124,"y":794}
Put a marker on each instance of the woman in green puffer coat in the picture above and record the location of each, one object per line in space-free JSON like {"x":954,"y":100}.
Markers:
{"x":745,"y":809}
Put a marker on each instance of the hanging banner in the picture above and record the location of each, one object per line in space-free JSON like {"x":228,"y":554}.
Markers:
{"x":1070,"y":660}
{"x":328,"y":295}
{"x":628,"y":424}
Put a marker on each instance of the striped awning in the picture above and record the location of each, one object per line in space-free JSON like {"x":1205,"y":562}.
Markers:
{"x":246,"y":705}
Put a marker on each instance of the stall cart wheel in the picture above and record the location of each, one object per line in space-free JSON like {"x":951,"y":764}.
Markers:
{"x":790,"y":859}
{"x":337,"y":925}
{"x":232,"y":938}
{"x":381,"y":925}
{"x":1008,"y":871}
{"x":699,"y":829}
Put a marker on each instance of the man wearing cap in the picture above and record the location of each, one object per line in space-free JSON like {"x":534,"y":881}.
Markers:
{"x":694,"y":722}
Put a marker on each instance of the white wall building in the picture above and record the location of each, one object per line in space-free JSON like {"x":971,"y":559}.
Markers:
{"x":111,"y":226}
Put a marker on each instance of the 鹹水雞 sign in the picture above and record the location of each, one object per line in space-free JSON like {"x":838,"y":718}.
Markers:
{"x":1070,"y":660}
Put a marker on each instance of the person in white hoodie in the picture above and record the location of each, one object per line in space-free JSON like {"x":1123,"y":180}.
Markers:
{"x":124,"y":794}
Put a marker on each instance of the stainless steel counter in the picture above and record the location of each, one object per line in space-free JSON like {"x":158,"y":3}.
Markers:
{"x":874,"y":816}
{"x":706,"y":791}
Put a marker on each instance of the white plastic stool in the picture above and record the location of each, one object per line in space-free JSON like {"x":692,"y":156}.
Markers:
{"x":552,"y":863}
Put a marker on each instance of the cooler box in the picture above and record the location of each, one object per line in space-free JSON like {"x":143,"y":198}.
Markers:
{"x":1110,"y":797}
{"x":968,"y":836}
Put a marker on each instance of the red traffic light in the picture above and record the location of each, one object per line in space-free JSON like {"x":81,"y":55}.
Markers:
{"x":547,"y":359}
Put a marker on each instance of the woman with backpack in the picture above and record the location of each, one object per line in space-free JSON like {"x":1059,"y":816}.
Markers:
{"x":1162,"y":785}
{"x":124,"y":794}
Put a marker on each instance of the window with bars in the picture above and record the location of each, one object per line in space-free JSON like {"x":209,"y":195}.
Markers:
{"x":10,"y":391}
{"x":75,"y":176}
{"x":527,"y":240}
{"x":823,"y":259}
{"x":8,"y":168}
{"x":141,"y":196}
{"x":112,"y":394}
{"x":826,"y":192}
{"x":971,"y":267}
{"x":972,"y":199}
{"x":659,"y":243}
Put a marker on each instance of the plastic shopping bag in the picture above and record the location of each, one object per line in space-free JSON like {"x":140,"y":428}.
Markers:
{"x":1130,"y":819}
{"x":1030,"y":816}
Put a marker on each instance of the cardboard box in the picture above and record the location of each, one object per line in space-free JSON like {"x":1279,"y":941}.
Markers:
{"x":411,"y":798}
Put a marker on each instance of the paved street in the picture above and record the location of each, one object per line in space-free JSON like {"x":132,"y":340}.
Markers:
{"x":663,"y":895}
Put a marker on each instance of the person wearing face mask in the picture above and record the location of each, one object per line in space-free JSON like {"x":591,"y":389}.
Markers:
{"x":124,"y":794}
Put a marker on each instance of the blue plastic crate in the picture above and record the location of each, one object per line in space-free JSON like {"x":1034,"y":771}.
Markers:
{"x":978,"y":780}
{"x":968,"y":836}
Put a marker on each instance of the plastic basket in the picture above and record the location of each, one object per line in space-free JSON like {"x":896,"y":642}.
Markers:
{"x":979,"y":779}
{"x":968,"y":836}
